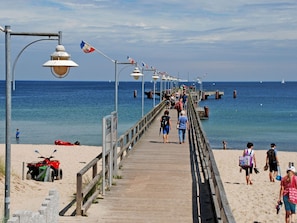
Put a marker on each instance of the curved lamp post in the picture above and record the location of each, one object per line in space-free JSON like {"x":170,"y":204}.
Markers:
{"x":155,"y":77}
{"x":142,"y":88}
{"x":60,"y":65}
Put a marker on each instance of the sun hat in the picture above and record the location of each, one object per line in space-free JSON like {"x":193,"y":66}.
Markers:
{"x":291,"y":168}
{"x":183,"y":112}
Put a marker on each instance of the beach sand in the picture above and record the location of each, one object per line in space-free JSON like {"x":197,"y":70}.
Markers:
{"x":249,"y":203}
{"x":29,"y":194}
{"x":257,"y":202}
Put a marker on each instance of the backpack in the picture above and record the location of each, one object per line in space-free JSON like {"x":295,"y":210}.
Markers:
{"x":178,"y":106}
{"x":271,"y":156}
{"x":164,"y":121}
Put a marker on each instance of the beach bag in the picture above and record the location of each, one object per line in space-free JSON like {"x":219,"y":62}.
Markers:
{"x":293,"y":191}
{"x":246,"y":160}
{"x":293,"y":195}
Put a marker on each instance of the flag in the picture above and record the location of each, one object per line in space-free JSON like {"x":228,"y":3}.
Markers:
{"x":144,"y":64}
{"x":132,"y":61}
{"x":86,"y":47}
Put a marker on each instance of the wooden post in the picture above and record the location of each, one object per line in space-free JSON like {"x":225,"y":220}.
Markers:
{"x":206,"y":112}
{"x":203,"y":96}
{"x":78,"y":194}
{"x":234,"y":94}
{"x":217,"y":94}
{"x":150,"y":95}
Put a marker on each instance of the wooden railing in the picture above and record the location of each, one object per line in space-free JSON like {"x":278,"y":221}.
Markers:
{"x":200,"y":147}
{"x":86,"y":194}
{"x":207,"y":174}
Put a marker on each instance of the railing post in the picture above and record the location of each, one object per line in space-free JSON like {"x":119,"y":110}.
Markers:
{"x":78,"y":193}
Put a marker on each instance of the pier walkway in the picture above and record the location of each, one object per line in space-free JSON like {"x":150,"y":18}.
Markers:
{"x":162,"y":182}
{"x":155,"y":184}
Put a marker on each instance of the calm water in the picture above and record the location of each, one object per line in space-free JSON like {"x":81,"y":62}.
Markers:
{"x":261,"y":113}
{"x":48,"y":110}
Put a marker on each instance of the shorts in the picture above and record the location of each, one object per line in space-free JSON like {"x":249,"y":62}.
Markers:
{"x":166,"y":130}
{"x":289,"y":206}
{"x":272,"y":167}
{"x":248,"y":170}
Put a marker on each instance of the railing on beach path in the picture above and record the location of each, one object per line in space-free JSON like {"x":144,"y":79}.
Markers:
{"x":207,"y":183}
{"x":208,"y":192}
{"x":86,"y":194}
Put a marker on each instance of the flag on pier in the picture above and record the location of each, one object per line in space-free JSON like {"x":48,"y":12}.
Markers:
{"x":132,"y":61}
{"x":87,"y":48}
{"x":144,"y":64}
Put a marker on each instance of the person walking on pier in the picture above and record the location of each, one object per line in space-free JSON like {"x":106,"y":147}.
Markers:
{"x":179,"y":106}
{"x":185,"y":100}
{"x":165,"y":125}
{"x":182,"y":126}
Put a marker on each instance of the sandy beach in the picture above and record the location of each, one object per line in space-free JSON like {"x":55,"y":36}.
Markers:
{"x":257,"y":202}
{"x":29,"y":194}
{"x":249,"y":203}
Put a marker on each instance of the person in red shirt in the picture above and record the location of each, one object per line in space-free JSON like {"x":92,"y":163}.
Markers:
{"x":290,"y":180}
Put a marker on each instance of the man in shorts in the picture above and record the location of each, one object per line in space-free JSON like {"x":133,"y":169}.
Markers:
{"x":272,"y":161}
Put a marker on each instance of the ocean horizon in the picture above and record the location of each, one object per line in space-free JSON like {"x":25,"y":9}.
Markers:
{"x":44,"y":111}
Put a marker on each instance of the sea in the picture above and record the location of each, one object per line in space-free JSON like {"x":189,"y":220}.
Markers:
{"x":44,"y":111}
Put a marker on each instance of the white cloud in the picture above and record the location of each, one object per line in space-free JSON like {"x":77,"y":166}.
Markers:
{"x":171,"y":35}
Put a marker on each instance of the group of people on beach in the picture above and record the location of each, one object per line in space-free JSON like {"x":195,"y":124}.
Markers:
{"x":288,"y":183}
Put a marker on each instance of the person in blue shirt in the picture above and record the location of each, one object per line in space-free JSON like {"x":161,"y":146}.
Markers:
{"x":182,"y":126}
{"x":185,"y":100}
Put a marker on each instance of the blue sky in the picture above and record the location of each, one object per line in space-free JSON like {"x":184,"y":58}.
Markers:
{"x":235,"y":40}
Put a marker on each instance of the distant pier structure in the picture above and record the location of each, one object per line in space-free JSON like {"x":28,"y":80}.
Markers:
{"x":217,"y":94}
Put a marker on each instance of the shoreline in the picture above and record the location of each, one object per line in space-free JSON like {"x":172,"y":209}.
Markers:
{"x":248,"y":203}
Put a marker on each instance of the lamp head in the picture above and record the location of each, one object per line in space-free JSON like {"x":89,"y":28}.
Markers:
{"x":136,"y":73}
{"x":155,"y":77}
{"x":60,"y":62}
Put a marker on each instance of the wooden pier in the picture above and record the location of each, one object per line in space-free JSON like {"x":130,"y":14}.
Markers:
{"x":217,"y":94}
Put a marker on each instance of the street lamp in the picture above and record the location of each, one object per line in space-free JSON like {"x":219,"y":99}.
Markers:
{"x":60,"y":69}
{"x":155,"y":77}
{"x":199,"y":80}
{"x":164,"y":78}
{"x":142,"y":89}
{"x":87,"y":48}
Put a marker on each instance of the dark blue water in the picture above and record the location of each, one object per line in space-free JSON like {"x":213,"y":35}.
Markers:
{"x":261,"y":113}
{"x":48,"y":110}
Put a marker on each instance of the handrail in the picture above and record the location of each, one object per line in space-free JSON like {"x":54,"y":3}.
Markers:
{"x":210,"y":174}
{"x":86,"y":194}
{"x":209,"y":168}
